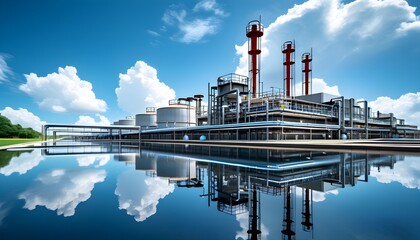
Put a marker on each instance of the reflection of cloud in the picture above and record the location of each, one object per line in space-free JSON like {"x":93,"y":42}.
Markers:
{"x":23,"y":163}
{"x":3,"y":212}
{"x":321,"y":196}
{"x":90,"y":160}
{"x":140,"y":196}
{"x":244,"y":224}
{"x":406,"y":172}
{"x":62,"y":190}
{"x":317,"y":196}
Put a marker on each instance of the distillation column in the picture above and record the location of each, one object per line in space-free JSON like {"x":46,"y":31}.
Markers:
{"x":288,"y":50}
{"x":254,"y":31}
{"x":306,"y":72}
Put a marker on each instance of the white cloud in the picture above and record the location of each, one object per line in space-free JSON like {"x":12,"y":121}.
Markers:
{"x":63,"y":92}
{"x":411,"y":26}
{"x":88,"y":120}
{"x":336,"y":31}
{"x":194,"y":29}
{"x":140,"y":88}
{"x":85,"y":161}
{"x":141,"y":199}
{"x":406,"y":172}
{"x":4,"y":69}
{"x":62,"y":190}
{"x":209,"y":5}
{"x":319,"y":85}
{"x":406,"y":107}
{"x":23,"y":163}
{"x":23,"y":117}
{"x":153,"y":33}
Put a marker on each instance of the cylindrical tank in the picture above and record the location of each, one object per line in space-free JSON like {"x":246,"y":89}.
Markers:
{"x":148,"y":119}
{"x":176,"y":115}
{"x":126,"y":122}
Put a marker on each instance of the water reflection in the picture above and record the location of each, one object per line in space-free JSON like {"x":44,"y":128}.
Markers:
{"x":3,"y":212}
{"x":97,"y":161}
{"x":235,"y":183}
{"x":406,"y":172}
{"x":62,"y":190}
{"x":19,"y":161}
{"x":234,"y":193}
{"x":84,"y":148}
{"x":139,"y":196}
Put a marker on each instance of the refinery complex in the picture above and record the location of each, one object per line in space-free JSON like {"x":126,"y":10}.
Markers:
{"x":238,"y":109}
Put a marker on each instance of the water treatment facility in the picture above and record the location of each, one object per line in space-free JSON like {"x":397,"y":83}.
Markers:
{"x":238,"y":108}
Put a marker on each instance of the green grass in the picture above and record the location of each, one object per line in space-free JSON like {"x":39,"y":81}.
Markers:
{"x":11,"y":141}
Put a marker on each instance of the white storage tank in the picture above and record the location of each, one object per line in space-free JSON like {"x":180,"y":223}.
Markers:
{"x":179,"y":113}
{"x":147,"y":120}
{"x":126,"y":122}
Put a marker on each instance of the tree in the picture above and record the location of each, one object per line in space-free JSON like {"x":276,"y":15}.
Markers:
{"x":9,"y":130}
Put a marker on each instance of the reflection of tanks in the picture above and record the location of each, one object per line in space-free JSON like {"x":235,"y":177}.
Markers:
{"x":147,"y":161}
{"x":127,"y":158}
{"x":175,"y":168}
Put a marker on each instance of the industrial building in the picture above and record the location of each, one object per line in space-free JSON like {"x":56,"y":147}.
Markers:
{"x":238,"y":109}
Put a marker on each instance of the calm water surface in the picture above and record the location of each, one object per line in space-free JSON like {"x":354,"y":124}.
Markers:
{"x":116,"y":191}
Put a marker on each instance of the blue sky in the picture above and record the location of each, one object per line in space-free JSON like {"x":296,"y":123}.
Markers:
{"x":95,"y":62}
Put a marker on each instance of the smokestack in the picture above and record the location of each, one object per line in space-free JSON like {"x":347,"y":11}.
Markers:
{"x":288,"y":50}
{"x":306,"y":72}
{"x":254,"y":31}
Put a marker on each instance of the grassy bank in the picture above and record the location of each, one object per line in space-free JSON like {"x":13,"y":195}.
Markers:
{"x":11,"y":141}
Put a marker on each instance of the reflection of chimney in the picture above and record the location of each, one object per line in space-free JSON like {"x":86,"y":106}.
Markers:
{"x":254,"y":219}
{"x":306,"y":210}
{"x":288,"y":223}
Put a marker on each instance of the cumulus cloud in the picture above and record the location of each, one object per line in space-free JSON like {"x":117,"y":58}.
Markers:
{"x":406,"y":172}
{"x":406,"y":107}
{"x":100,"y":161}
{"x":23,"y":163}
{"x":140,"y":88}
{"x":194,"y":29}
{"x":4,"y":69}
{"x":63,"y":92}
{"x":62,"y":190}
{"x":88,"y":120}
{"x":141,"y":201}
{"x":23,"y":117}
{"x":347,"y":28}
{"x":319,"y":85}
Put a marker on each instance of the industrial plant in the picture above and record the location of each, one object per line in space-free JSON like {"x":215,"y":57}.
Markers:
{"x":238,"y":109}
